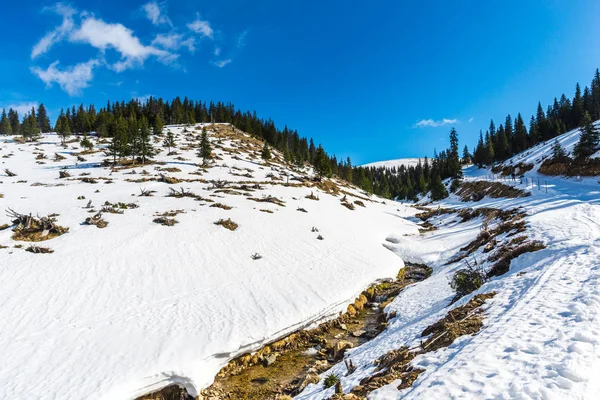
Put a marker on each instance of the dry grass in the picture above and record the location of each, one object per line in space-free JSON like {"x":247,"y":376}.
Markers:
{"x":463,"y":320}
{"x":39,"y":250}
{"x":587,"y":167}
{"x":477,"y":190}
{"x":221,"y":205}
{"x":165,"y":221}
{"x":227,"y":224}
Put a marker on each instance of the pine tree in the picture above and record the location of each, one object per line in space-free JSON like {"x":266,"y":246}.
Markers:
{"x":146,"y":149}
{"x":169,"y":141}
{"x":588,"y":139}
{"x":5,"y":128}
{"x":520,"y":142}
{"x":158,"y":125}
{"x":578,"y":108}
{"x":266,"y":153}
{"x":15,"y":124}
{"x":62,"y":127}
{"x":438,"y":190}
{"x":454,"y":166}
{"x":321,"y":163}
{"x":558,"y":152}
{"x":118,"y":144}
{"x":466,"y":156}
{"x":42,"y":119}
{"x":132,"y":147}
{"x":86,"y":143}
{"x":30,"y":128}
{"x":205,"y":147}
{"x":489,"y":153}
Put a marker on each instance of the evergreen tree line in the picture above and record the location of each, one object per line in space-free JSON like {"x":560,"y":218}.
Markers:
{"x":32,"y":124}
{"x":502,"y":142}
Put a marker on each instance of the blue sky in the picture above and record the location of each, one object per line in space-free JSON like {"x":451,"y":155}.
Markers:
{"x":356,"y":76}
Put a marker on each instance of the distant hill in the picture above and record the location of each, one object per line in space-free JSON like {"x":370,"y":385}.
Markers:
{"x":394,"y":163}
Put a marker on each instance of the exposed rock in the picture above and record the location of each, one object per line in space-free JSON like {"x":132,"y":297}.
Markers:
{"x":270,"y":360}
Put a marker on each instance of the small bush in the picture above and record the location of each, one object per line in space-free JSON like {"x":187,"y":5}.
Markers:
{"x":227,"y":224}
{"x":467,"y":280}
{"x":454,"y":185}
{"x":330,"y":381}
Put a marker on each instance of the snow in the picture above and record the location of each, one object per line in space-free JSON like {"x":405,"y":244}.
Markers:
{"x":541,"y":335}
{"x":117,"y":312}
{"x":407,"y":162}
{"x":537,"y":154}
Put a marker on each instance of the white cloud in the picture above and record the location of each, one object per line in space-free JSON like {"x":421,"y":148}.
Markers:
{"x":174,"y":41}
{"x":434,"y":124}
{"x":156,"y":14}
{"x":102,"y":36}
{"x":222,"y":63}
{"x":58,"y":33}
{"x":21,"y":108}
{"x":241,"y":41}
{"x":217,"y":51}
{"x":71,"y":79}
{"x":201,"y":27}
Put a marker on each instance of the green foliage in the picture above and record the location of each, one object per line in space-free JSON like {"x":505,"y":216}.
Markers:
{"x":454,"y":185}
{"x":437,"y":188}
{"x":86,"y":143}
{"x":330,"y":381}
{"x":145,"y":141}
{"x":5,"y":127}
{"x":321,"y":163}
{"x":205,"y":147}
{"x":265,"y":153}
{"x":169,"y":141}
{"x":467,"y":280}
{"x":29,"y":127}
{"x":588,"y":140}
{"x":558,"y":152}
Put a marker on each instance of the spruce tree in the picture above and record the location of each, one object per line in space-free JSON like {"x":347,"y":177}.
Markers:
{"x":5,"y":128}
{"x":266,"y":153}
{"x":205,"y":147}
{"x":15,"y":124}
{"x":558,"y":152}
{"x":520,"y":142}
{"x":146,"y":149}
{"x":438,"y":190}
{"x":321,"y":163}
{"x":588,"y":139}
{"x":169,"y":141}
{"x":158,"y":125}
{"x":454,"y":166}
{"x":86,"y":143}
{"x":42,"y":119}
{"x":466,"y":156}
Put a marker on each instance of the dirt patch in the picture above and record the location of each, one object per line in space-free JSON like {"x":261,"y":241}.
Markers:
{"x":30,"y":229}
{"x":227,"y":224}
{"x":587,"y":167}
{"x":477,"y":190}
{"x":463,"y":320}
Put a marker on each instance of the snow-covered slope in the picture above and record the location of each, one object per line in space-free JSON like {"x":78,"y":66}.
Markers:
{"x":117,"y":312}
{"x":407,"y":162}
{"x":541,"y":333}
{"x":537,"y":154}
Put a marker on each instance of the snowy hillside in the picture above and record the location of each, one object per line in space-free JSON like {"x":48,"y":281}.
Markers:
{"x":120,"y":311}
{"x":116,"y":312}
{"x":540,"y":337}
{"x":537,"y":154}
{"x":407,"y":162}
